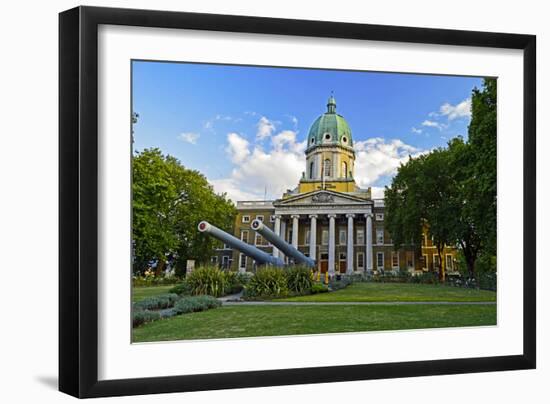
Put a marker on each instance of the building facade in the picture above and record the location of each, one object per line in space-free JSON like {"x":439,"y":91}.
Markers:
{"x":328,"y":217}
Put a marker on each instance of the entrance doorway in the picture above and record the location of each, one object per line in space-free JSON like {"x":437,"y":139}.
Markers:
{"x":342,"y":264}
{"x":324,"y":262}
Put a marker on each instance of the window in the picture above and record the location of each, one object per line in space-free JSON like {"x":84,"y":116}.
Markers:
{"x":342,"y":256}
{"x":324,"y":237}
{"x":308,"y":237}
{"x":226,"y":247}
{"x":342,"y":237}
{"x":327,"y":168}
{"x":311,"y":166}
{"x":425,"y":259}
{"x":448,"y":262}
{"x":260,"y":218}
{"x":225,"y":261}
{"x":380,"y":236}
{"x":242,"y":261}
{"x":246,"y":219}
{"x":344,"y":169}
{"x":214,"y":259}
{"x":258,"y":239}
{"x":290,"y":236}
{"x":379,"y":217}
{"x":244,"y":236}
{"x":410,"y":259}
{"x":360,"y":237}
{"x":272,"y":218}
{"x":395,"y":259}
{"x":380,"y":260}
{"x":360,"y":260}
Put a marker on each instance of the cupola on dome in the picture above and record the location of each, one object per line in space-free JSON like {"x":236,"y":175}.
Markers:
{"x":330,"y":128}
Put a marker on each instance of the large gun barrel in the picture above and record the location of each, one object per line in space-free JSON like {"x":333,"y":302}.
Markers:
{"x":253,"y":252}
{"x":287,"y":249}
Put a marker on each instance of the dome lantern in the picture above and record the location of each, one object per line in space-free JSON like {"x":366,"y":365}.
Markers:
{"x":330,"y":129}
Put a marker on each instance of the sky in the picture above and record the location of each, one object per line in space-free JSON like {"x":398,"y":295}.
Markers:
{"x":245,"y":127}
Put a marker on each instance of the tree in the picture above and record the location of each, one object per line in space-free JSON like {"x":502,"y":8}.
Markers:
{"x":420,"y":199}
{"x":482,"y":181}
{"x":168,"y":203}
{"x":452,"y":191}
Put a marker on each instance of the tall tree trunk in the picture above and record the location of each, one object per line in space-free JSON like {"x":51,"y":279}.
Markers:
{"x":441,"y":269}
{"x":160,"y":267}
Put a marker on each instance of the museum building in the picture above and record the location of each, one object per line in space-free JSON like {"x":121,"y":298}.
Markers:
{"x":329,"y":217}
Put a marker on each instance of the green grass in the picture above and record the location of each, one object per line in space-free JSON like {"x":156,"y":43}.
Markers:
{"x":251,"y":321}
{"x":141,"y":292}
{"x":394,"y":292}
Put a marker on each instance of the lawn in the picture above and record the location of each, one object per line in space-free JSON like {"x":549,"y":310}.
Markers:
{"x":251,"y":321}
{"x":394,"y":292}
{"x":141,"y":292}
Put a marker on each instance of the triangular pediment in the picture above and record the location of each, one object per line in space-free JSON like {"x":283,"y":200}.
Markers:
{"x":322,"y":197}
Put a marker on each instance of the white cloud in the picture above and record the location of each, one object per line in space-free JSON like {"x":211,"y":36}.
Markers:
{"x":237,"y":148}
{"x":189,"y":137}
{"x":376,"y":158}
{"x":462,"y":109}
{"x":377,"y":192}
{"x":265,"y":128}
{"x":415,"y":130}
{"x":276,"y":168}
{"x":230,"y":187}
{"x":434,"y":124}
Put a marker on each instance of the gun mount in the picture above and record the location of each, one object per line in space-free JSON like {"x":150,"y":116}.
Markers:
{"x":287,"y":249}
{"x":258,"y":255}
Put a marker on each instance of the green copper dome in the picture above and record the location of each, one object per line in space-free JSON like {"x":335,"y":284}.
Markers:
{"x":330,"y":129}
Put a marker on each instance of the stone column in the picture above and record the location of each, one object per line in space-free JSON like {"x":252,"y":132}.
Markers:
{"x":313,"y":237}
{"x":331,"y":244}
{"x":277,"y":230}
{"x":368,"y":233}
{"x":295,"y":219}
{"x":283,"y":235}
{"x":350,"y":250}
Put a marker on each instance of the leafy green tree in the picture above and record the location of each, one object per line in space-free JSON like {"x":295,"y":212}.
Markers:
{"x":482,"y":181}
{"x":451,"y":191}
{"x":168,"y":203}
{"x":420,"y":199}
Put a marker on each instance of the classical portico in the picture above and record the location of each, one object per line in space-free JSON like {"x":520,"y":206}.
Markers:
{"x":325,"y":226}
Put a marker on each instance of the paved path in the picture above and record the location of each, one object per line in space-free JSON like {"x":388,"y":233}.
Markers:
{"x":272,"y":303}
{"x":236,"y":296}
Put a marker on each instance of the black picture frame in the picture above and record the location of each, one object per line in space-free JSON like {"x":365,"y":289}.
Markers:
{"x":78,"y":201}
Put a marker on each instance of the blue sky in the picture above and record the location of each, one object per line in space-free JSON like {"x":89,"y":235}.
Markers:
{"x":245,"y":127}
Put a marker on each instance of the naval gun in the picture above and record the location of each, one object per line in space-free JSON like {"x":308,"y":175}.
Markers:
{"x":287,"y":249}
{"x":258,"y":255}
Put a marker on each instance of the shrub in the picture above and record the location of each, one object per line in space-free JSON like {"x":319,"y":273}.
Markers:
{"x":430,"y":278}
{"x":299,"y":279}
{"x":236,"y":281}
{"x":319,"y":288}
{"x":181,"y":289}
{"x":267,"y":282}
{"x":157,"y":302}
{"x":196,"y":303}
{"x":140,"y":317}
{"x":207,"y":281}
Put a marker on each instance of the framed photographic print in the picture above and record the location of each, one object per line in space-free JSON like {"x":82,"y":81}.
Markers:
{"x":251,"y":201}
